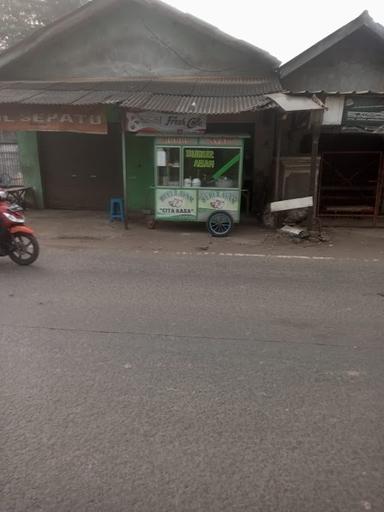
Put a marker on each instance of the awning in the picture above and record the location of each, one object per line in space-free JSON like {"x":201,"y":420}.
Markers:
{"x":290,"y":103}
{"x":189,"y":95}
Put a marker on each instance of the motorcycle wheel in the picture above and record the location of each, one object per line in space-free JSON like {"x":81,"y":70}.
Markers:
{"x":25,"y":249}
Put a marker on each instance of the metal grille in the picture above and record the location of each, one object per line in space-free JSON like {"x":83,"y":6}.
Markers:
{"x":10,"y":169}
{"x":8,"y":137}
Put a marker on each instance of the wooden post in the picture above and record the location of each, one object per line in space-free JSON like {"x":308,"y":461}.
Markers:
{"x":314,"y":177}
{"x":254,"y":190}
{"x":379,"y":191}
{"x":124,"y":166}
{"x":279,"y":134}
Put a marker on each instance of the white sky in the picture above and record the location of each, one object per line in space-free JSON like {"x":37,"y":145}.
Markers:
{"x":283,"y":28}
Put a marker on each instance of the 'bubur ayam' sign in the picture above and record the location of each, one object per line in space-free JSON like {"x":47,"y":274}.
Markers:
{"x":201,"y":158}
{"x":53,"y":119}
{"x":219,"y":200}
{"x":176,"y":204}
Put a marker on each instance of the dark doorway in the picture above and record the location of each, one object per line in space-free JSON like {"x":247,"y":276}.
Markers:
{"x":351,"y":175}
{"x":349,"y":183}
{"x":81,"y":171}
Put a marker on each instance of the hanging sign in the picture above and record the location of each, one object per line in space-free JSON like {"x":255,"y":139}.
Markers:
{"x":221,"y":141}
{"x":364,"y":111}
{"x":176,"y":141}
{"x":153,"y":122}
{"x":53,"y":119}
{"x":204,"y":141}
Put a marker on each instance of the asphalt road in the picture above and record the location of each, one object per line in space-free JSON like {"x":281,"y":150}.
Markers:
{"x":153,"y":382}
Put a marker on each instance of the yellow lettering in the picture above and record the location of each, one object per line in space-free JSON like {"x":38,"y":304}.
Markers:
{"x":201,"y":154}
{"x":204,"y":164}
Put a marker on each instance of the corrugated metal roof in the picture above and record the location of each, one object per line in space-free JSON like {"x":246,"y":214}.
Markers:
{"x":200,"y":96}
{"x":54,"y":97}
{"x":196,"y":104}
{"x":15,"y":95}
{"x":215,"y":88}
{"x":335,"y":93}
{"x":101,"y":97}
{"x":294,"y":103}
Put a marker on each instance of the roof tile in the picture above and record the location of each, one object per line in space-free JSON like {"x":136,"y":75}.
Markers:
{"x":192,"y":95}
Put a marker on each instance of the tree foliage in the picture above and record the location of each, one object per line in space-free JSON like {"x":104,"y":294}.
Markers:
{"x":19,"y":17}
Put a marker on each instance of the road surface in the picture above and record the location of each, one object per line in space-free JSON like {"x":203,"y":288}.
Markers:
{"x":163,"y":382}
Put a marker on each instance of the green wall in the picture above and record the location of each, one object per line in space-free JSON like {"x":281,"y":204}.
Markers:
{"x":29,"y":161}
{"x":139,"y":169}
{"x":140,"y":172}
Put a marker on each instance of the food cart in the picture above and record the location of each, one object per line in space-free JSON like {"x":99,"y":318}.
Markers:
{"x":199,"y":179}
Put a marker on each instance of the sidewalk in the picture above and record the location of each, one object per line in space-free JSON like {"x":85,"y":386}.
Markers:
{"x":57,"y":228}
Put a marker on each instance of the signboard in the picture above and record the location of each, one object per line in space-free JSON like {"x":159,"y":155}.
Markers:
{"x":200,"y":158}
{"x":176,"y":141}
{"x":176,"y":204}
{"x":292,"y":204}
{"x":220,"y":200}
{"x":221,"y":141}
{"x":205,"y":141}
{"x":153,"y":122}
{"x":53,"y":119}
{"x":364,"y":111}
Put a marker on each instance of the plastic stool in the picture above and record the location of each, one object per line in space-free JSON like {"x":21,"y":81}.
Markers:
{"x":116,"y":209}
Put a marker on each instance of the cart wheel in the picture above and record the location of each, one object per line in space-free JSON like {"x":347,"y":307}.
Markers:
{"x":220,"y":224}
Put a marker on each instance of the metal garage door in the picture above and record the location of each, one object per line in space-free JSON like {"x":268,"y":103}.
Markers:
{"x":81,"y":171}
{"x":10,"y":168}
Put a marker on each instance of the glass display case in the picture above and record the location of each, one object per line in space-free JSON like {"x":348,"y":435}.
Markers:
{"x":212,"y":167}
{"x":168,"y":166}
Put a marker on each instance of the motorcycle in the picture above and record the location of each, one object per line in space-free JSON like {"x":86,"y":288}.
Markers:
{"x":16,"y":240}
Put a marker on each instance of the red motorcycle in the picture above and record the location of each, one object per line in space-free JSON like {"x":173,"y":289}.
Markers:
{"x":16,"y":240}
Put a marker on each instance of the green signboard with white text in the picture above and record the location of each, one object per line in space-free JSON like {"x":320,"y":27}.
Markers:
{"x":179,"y":204}
{"x":218,"y":200}
{"x":176,"y":204}
{"x":365,"y":111}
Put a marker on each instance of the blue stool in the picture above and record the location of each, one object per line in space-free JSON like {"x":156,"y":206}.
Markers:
{"x":116,"y":209}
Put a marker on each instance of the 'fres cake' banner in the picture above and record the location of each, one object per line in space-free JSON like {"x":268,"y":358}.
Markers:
{"x":157,"y":122}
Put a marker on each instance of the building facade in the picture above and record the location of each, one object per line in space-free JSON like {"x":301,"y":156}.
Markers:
{"x":68,"y":93}
{"x":89,"y":110}
{"x":346,"y":72}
